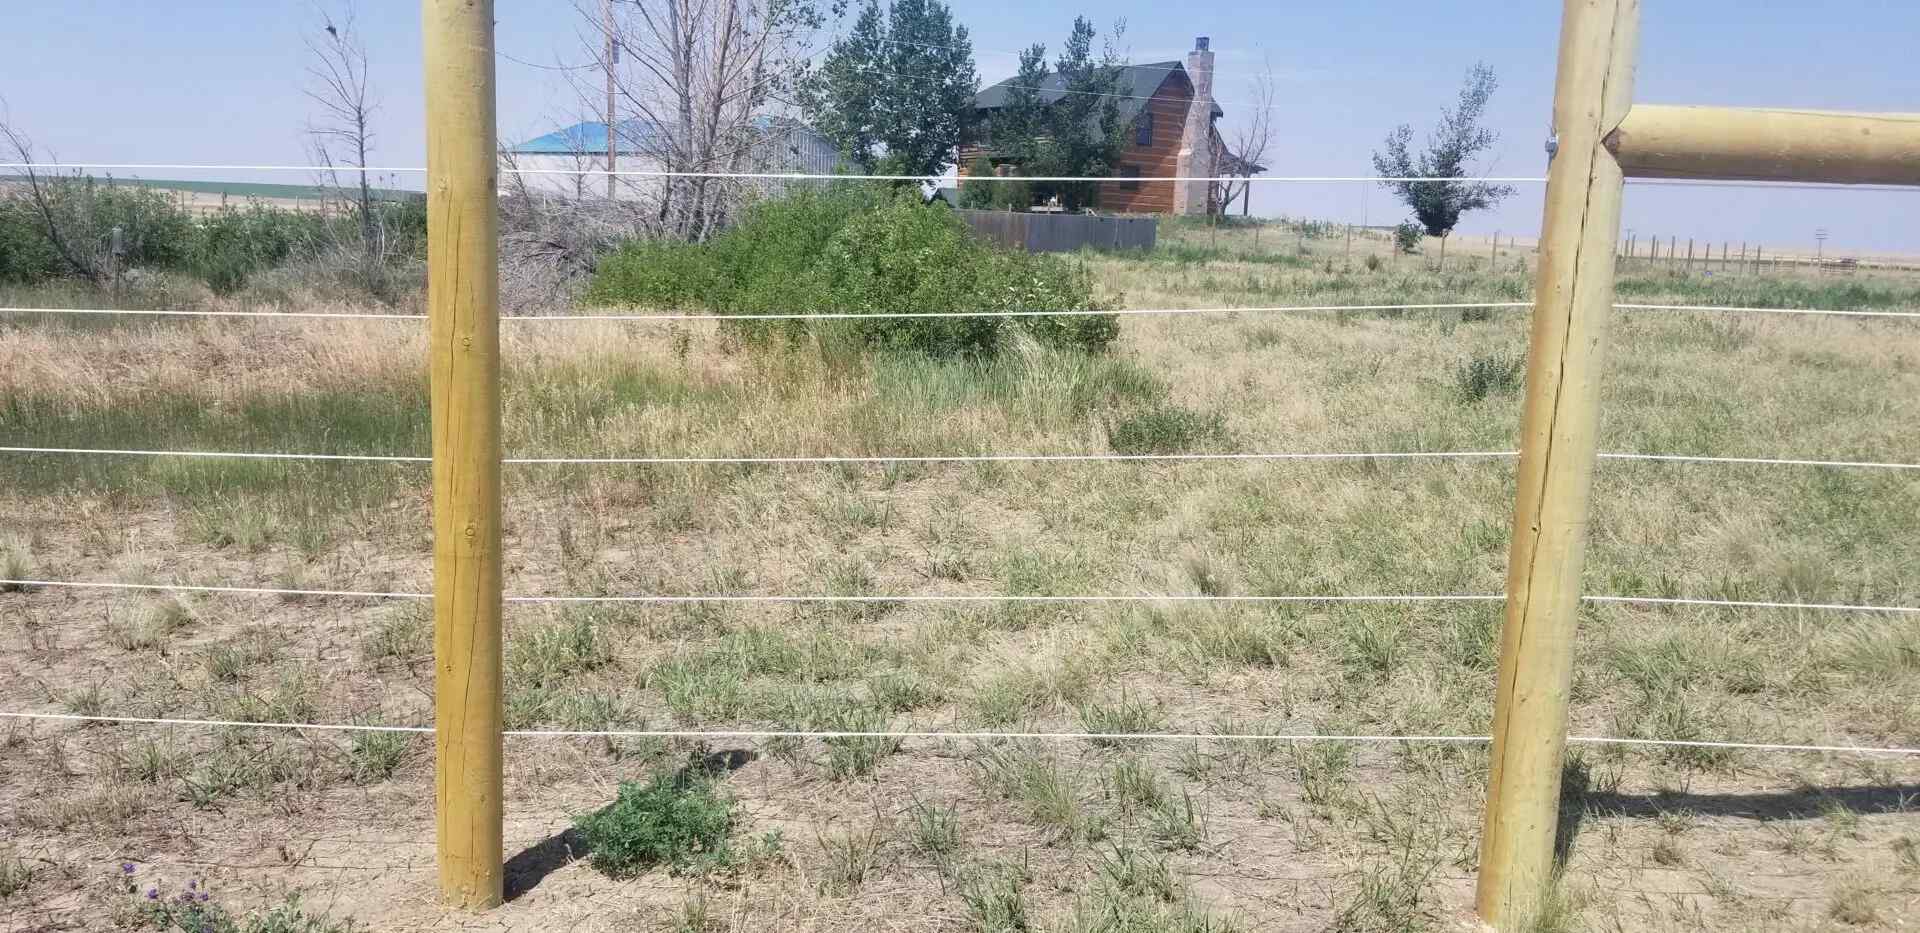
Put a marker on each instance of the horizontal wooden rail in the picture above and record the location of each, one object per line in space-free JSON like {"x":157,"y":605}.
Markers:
{"x":1657,"y":141}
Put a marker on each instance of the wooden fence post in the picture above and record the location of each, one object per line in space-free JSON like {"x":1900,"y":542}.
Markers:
{"x":463,"y":319}
{"x":1566,"y":353}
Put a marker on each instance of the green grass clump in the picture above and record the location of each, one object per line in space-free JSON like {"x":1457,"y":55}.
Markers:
{"x":679,"y":822}
{"x":1165,"y":429}
{"x":554,"y":652}
{"x":1489,"y":374}
{"x":15,"y":875}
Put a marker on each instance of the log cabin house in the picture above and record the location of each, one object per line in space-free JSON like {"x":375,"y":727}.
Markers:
{"x":1174,"y":134}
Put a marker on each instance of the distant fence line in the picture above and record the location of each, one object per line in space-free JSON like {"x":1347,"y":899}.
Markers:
{"x":1672,"y":252}
{"x":1061,"y":233}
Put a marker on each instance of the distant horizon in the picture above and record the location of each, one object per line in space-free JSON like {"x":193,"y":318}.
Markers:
{"x":106,"y":82}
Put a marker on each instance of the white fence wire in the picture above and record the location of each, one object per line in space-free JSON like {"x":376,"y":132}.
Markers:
{"x":879,"y":459}
{"x":962,"y":598}
{"x":672,"y":316}
{"x":982,"y":736}
{"x":816,"y":176}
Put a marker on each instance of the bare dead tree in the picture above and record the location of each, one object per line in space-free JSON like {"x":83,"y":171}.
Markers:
{"x":341,"y":131}
{"x":693,"y":76}
{"x":1248,"y":149}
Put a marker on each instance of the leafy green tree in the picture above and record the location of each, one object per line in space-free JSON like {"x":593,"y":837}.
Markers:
{"x":1078,"y":135}
{"x":1454,"y":143}
{"x":896,"y":89}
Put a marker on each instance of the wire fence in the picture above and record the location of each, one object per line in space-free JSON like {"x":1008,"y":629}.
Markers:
{"x":955,"y":598}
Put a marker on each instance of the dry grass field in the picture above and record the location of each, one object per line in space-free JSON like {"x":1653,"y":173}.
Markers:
{"x":1076,"y":836}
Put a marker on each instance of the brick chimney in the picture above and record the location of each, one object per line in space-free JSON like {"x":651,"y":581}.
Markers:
{"x":1196,"y":139}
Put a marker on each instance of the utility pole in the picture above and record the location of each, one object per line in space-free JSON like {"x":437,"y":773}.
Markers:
{"x":612,"y":55}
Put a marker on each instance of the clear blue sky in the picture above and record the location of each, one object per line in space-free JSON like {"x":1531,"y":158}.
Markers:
{"x":204,"y":81}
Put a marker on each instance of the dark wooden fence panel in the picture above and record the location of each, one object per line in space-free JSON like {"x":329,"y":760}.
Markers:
{"x":1061,"y":233}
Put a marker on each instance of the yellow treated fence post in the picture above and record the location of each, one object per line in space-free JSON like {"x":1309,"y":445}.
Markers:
{"x":1573,"y":301}
{"x":463,"y":316}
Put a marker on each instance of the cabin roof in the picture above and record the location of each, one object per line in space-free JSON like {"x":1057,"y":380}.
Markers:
{"x":1137,"y":84}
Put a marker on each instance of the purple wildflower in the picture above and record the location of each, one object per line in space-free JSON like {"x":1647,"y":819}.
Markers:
{"x":153,"y":894}
{"x":126,"y":868}
{"x":203,"y":897}
{"x":191,"y":885}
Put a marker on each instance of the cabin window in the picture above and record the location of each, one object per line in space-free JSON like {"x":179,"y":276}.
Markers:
{"x":1129,"y":171}
{"x":1143,"y":128}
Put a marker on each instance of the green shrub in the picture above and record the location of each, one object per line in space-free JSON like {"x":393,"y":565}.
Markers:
{"x":1165,"y":429}
{"x":223,"y":249}
{"x":154,"y":231}
{"x":1489,"y":374}
{"x":858,"y":249}
{"x":675,"y":821}
{"x":1407,"y":236}
{"x":234,"y":243}
{"x":26,"y":256}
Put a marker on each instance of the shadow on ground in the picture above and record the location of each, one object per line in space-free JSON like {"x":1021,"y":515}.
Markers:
{"x":1579,"y":801}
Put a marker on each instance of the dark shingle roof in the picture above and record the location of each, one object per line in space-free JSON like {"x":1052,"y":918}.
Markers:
{"x":1137,"y":84}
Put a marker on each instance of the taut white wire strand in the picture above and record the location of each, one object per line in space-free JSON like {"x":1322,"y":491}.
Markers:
{"x":883,"y":315}
{"x":776,"y":176}
{"x":232,"y":590}
{"x":216,"y":454}
{"x":690,"y":599}
{"x":788,"y":315}
{"x":151,"y":312}
{"x":742,"y":176}
{"x":1744,"y":604}
{"x":664,"y":599}
{"x":216,"y":723}
{"x":1755,"y":310}
{"x":969,"y":736}
{"x":1763,"y":461}
{"x":1074,"y":312}
{"x":973,"y":458}
{"x":996,"y":598}
{"x":1031,"y":458}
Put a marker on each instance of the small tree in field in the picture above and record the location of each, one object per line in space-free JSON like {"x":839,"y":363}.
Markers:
{"x":342,"y":132}
{"x":1454,"y":142}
